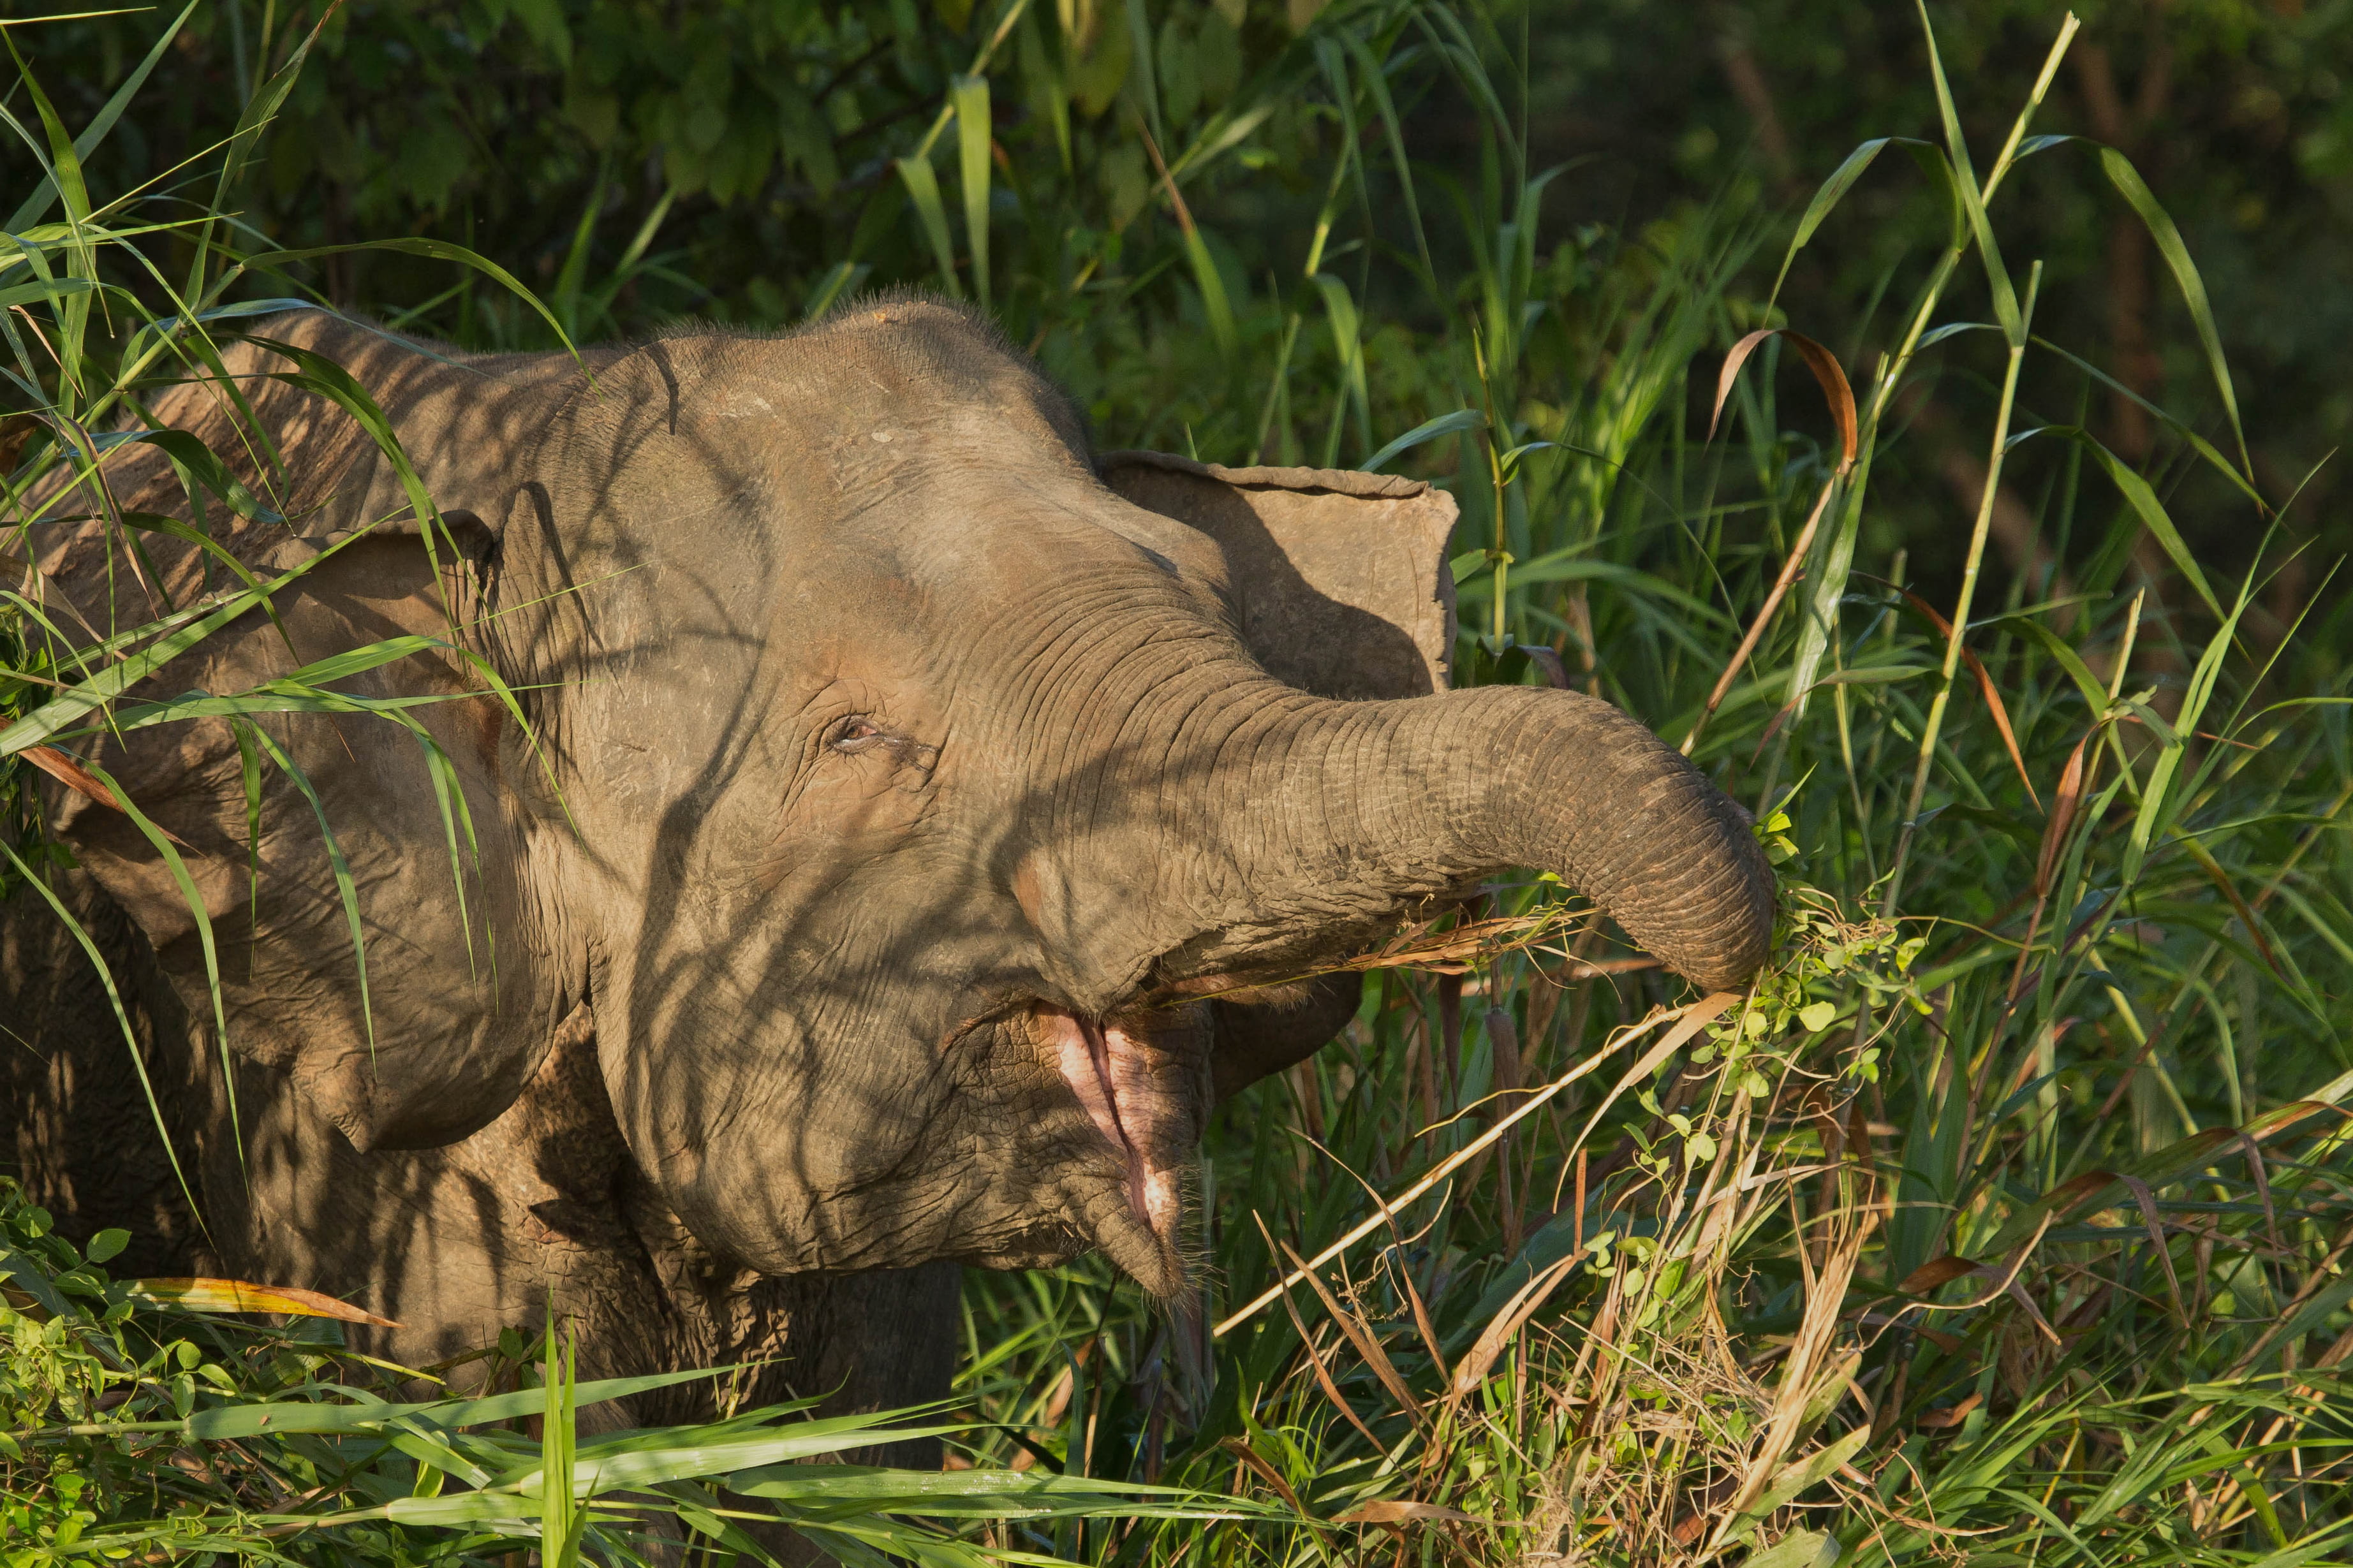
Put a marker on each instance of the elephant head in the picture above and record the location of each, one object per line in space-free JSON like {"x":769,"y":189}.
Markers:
{"x":899,"y":780}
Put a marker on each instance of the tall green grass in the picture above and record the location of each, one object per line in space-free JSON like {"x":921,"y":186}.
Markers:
{"x":2007,"y":1218}
{"x":138,"y":1422}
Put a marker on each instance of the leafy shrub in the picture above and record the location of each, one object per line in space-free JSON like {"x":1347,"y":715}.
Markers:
{"x":131,"y":1426}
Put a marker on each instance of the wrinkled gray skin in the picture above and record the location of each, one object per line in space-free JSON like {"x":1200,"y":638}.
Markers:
{"x":908,"y":775}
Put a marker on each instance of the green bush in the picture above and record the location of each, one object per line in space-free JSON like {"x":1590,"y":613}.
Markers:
{"x":132,"y":1427}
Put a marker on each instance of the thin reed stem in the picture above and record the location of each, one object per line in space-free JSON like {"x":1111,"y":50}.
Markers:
{"x":1938,"y":705}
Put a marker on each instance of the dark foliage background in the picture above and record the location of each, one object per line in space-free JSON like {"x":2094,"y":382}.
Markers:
{"x":735,"y":160}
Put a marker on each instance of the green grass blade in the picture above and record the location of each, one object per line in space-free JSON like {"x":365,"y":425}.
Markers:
{"x":1215,"y":303}
{"x":1460,"y":420}
{"x":1957,"y":150}
{"x":2159,"y":223}
{"x":969,"y":94}
{"x":1347,"y":344}
{"x":438,"y":250}
{"x":35,"y":728}
{"x":233,"y":1422}
{"x":691,"y":1459}
{"x":2095,"y":694}
{"x":1826,"y":200}
{"x":2142,"y":499}
{"x":923,"y":190}
{"x":1377,"y":83}
{"x":95,"y":133}
{"x":841,"y":279}
{"x":199,"y":917}
{"x":259,"y":111}
{"x":1143,"y":77}
{"x":64,"y":170}
{"x":574,"y":270}
{"x":562,"y":1517}
{"x":2203,"y":448}
{"x":346,"y":889}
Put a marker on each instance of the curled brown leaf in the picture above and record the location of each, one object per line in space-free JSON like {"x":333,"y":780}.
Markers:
{"x":2064,"y":804}
{"x":1825,"y":367}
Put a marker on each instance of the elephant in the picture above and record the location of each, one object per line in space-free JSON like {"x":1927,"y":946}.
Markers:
{"x":909,"y":822}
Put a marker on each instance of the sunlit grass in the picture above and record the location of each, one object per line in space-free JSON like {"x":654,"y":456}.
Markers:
{"x":2006,"y":1219}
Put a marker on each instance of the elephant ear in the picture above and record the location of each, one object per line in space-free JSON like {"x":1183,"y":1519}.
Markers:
{"x":455,"y":1007}
{"x":1338,"y":579}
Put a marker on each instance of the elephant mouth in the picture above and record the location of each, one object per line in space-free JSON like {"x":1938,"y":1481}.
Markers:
{"x":1143,"y":1085}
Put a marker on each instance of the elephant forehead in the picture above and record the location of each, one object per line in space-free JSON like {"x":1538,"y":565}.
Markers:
{"x":888,"y":475}
{"x":867,"y":396}
{"x":946,"y":523}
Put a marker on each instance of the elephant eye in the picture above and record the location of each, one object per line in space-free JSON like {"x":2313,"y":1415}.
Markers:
{"x":855,"y":733}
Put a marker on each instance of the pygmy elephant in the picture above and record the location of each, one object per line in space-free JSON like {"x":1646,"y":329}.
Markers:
{"x":902,"y":784}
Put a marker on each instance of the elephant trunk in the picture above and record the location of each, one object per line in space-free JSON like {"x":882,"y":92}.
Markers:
{"x":1344,"y":811}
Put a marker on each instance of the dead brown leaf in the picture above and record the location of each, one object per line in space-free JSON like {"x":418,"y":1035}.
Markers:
{"x":1935,"y":1272}
{"x":1385,"y":1510}
{"x":1264,"y":1471}
{"x":240,"y":1295}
